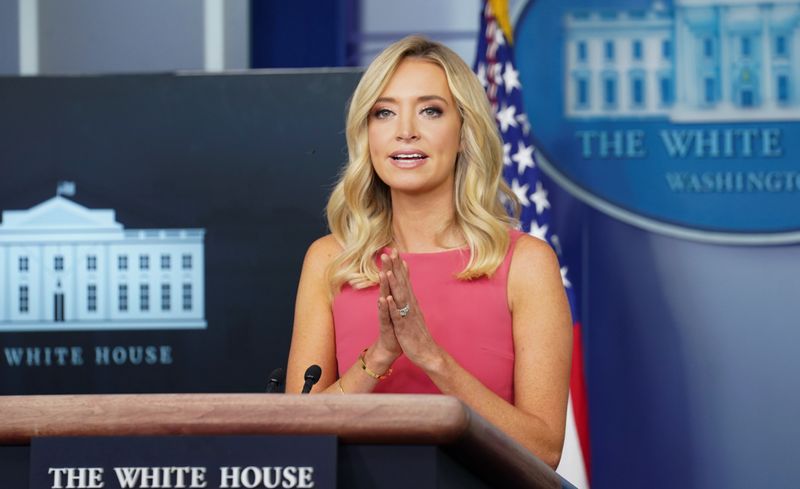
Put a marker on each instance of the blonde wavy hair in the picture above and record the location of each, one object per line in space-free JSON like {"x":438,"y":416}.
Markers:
{"x":360,"y":209}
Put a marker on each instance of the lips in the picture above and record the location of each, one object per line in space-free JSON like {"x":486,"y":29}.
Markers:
{"x":408,"y":158}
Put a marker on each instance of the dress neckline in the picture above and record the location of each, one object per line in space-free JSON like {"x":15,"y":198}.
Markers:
{"x":386,"y":249}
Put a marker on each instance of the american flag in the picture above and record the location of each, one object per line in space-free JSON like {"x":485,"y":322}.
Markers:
{"x":494,"y":66}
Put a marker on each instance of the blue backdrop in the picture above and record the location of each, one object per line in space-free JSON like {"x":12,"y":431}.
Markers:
{"x":690,"y":346}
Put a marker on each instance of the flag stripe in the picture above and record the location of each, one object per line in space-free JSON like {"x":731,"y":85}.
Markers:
{"x":577,"y":388}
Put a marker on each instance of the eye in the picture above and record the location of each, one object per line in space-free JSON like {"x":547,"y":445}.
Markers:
{"x":382,"y":113}
{"x":431,"y":112}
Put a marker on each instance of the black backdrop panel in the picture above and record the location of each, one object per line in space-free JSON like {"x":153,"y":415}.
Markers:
{"x":249,"y":158}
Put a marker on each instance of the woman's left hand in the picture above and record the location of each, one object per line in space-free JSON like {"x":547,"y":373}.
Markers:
{"x":410,"y":329}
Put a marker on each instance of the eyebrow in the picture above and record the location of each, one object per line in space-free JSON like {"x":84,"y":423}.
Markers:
{"x":423,"y":98}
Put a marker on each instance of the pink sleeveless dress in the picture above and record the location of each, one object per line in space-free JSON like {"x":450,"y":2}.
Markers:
{"x":469,"y":319}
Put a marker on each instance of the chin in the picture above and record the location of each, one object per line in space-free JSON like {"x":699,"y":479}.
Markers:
{"x":416,"y":187}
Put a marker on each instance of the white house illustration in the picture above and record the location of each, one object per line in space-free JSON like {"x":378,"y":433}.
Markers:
{"x":699,"y":60}
{"x":64,"y":267}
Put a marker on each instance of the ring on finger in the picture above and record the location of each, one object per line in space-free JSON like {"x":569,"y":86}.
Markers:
{"x":403,"y":311}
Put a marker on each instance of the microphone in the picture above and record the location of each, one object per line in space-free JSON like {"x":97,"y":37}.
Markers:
{"x":276,"y":379}
{"x":313,"y":373}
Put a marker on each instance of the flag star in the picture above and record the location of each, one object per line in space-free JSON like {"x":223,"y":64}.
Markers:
{"x":506,"y":117}
{"x":539,"y":198}
{"x":564,"y":278}
{"x":538,"y":231}
{"x":521,"y":191}
{"x":482,"y":74}
{"x":523,"y":157}
{"x":511,"y":78}
{"x":523,"y":121}
{"x":506,"y":154}
{"x":499,"y":37}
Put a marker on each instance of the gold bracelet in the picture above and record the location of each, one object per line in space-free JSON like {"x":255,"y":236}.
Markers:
{"x":339,"y":383}
{"x":370,"y":372}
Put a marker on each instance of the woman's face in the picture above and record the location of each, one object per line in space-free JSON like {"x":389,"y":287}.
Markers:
{"x":415,"y":130}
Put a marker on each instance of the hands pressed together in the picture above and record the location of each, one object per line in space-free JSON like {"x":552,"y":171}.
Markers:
{"x":402,"y":325}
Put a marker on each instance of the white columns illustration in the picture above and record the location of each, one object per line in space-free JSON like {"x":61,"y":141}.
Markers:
{"x":56,"y":252}
{"x":723,"y":65}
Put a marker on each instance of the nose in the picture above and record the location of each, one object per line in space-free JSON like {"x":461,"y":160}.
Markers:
{"x":407,"y":128}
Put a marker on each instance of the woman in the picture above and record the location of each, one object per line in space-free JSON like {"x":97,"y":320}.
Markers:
{"x":466,"y":305}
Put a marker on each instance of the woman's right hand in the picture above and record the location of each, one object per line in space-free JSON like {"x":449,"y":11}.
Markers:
{"x":386,"y":349}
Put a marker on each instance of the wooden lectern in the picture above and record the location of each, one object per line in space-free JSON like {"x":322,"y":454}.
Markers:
{"x":385,"y":440}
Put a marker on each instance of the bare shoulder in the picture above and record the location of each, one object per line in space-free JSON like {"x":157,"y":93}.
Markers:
{"x":322,"y":252}
{"x":532,"y":255}
{"x":534,"y":269}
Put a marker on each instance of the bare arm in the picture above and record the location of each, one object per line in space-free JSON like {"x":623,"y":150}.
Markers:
{"x":542,"y":345}
{"x":312,"y":335}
